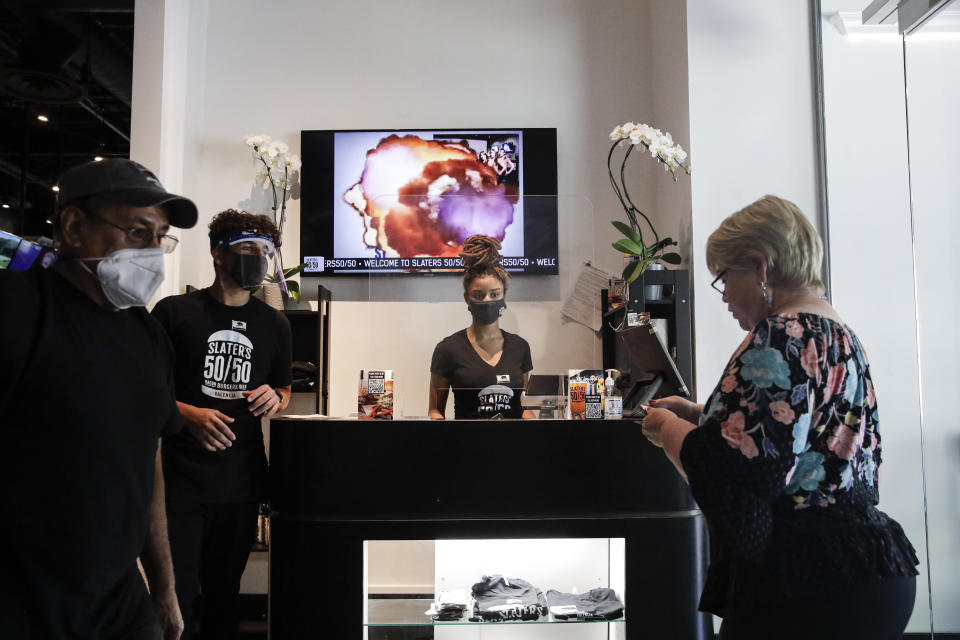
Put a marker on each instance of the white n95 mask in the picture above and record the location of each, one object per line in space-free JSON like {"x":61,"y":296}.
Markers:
{"x":130,"y":277}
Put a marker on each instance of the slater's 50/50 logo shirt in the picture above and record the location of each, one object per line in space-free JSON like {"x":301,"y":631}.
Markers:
{"x":221,"y":352}
{"x":227,"y":365}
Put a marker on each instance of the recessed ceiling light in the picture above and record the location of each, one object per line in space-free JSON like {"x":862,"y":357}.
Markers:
{"x":49,"y":221}
{"x":98,"y":159}
{"x":6,"y":206}
{"x":43,"y":118}
{"x":55,"y":188}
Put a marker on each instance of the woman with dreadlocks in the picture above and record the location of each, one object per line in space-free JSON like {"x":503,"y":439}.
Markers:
{"x":486,"y":367}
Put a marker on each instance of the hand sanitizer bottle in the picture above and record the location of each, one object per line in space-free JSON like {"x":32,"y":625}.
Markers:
{"x":613,"y":402}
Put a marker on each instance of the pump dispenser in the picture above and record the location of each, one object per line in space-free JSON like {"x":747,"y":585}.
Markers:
{"x":613,"y":401}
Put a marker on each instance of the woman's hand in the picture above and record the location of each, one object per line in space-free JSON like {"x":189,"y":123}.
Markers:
{"x":652,"y":424}
{"x":683,"y":408}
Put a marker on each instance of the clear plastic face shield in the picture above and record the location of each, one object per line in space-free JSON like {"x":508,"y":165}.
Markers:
{"x":254,"y":255}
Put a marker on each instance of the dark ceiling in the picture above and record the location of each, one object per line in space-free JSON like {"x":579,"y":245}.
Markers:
{"x":70,"y":61}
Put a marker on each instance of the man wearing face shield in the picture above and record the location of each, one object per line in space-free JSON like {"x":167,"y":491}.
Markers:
{"x":486,"y":367}
{"x":86,"y":392}
{"x":232,"y":370}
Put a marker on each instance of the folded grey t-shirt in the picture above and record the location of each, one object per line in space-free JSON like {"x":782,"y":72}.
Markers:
{"x":596,"y":604}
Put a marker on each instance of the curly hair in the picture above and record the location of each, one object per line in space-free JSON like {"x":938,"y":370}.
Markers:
{"x":232,"y":222}
{"x":481,"y":257}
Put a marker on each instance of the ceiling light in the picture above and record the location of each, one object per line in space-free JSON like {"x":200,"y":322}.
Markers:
{"x":98,"y":159}
{"x":43,"y":118}
{"x":55,"y":188}
{"x":49,"y":221}
{"x":6,"y":206}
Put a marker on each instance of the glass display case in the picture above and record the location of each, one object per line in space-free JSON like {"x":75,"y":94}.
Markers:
{"x":549,"y":565}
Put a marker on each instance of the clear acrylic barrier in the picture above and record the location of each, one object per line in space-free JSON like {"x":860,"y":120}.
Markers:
{"x":408,"y":303}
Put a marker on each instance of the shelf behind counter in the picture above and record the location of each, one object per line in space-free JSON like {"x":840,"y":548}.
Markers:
{"x":337,"y":483}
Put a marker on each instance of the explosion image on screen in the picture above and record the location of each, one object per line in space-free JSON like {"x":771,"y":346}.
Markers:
{"x":425,"y":197}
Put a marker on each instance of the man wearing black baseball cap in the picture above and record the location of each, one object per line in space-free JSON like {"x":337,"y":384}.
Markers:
{"x":86,"y":391}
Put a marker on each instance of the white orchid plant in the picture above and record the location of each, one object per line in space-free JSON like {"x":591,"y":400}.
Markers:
{"x":671,"y":155}
{"x":278,"y":172}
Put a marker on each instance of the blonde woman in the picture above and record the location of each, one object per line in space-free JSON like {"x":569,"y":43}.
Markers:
{"x":784,"y":459}
{"x":486,"y":367}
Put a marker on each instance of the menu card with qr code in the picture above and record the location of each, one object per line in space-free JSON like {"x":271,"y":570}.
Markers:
{"x":375,"y":399}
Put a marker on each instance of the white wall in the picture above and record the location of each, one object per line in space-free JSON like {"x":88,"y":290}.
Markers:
{"x":751,"y":133}
{"x":576,"y":65}
{"x":161,"y":76}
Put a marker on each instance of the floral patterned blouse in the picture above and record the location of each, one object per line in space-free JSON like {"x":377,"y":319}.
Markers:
{"x":785,"y":466}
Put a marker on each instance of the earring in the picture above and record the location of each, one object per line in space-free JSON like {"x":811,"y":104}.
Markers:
{"x":767,"y":298}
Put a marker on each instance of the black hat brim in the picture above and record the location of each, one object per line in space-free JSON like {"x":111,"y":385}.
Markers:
{"x":182,"y":212}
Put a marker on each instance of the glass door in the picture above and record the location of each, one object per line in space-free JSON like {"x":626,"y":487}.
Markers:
{"x":931,"y":53}
{"x":891,"y":117}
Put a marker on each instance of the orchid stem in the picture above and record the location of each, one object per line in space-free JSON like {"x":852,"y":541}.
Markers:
{"x":632,"y":206}
{"x":273,"y":187}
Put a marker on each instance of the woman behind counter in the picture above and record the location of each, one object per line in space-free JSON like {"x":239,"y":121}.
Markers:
{"x":784,"y":463}
{"x":486,"y":366}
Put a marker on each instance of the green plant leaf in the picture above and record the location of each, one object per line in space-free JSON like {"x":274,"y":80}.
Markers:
{"x":672,"y":258}
{"x":665,"y":242}
{"x":633,"y":270}
{"x":293,"y":287}
{"x":627,"y":231}
{"x":292,"y":271}
{"x":629,"y":246}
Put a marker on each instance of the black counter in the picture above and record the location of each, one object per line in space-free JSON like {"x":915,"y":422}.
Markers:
{"x":336,"y":483}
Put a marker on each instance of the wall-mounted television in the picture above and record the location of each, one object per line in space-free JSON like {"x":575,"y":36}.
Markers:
{"x":403,"y":201}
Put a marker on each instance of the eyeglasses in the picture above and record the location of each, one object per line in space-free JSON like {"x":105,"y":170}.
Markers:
{"x":719,"y":278}
{"x":141,"y":237}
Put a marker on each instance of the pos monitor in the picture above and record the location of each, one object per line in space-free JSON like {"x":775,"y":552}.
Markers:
{"x":654,"y":373}
{"x":17,"y":254}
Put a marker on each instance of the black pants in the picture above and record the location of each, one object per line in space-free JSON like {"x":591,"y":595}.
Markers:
{"x":876,"y":610}
{"x":210,"y":544}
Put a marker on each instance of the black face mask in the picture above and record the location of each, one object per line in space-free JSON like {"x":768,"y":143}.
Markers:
{"x":248,"y":270}
{"x":487,"y":312}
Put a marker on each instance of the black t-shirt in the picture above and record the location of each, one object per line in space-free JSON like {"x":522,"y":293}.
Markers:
{"x":85,"y":394}
{"x":222,"y":351}
{"x":479,"y":390}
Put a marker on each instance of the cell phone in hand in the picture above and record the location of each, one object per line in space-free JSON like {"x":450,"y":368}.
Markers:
{"x":639,"y":412}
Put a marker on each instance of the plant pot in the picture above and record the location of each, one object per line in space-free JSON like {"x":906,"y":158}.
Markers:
{"x":271,"y":293}
{"x":292,"y":305}
{"x":653,"y":292}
